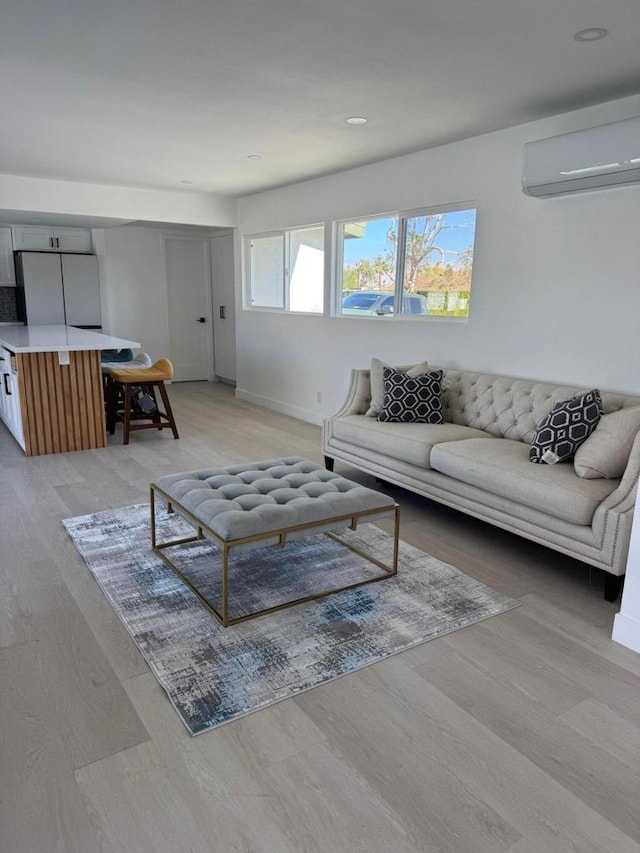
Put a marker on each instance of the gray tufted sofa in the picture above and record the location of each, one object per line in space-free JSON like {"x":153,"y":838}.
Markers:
{"x":477,"y":462}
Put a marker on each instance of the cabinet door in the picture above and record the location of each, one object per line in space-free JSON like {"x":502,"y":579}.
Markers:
{"x":81,"y":290}
{"x":72,"y":239}
{"x":33,"y":237}
{"x":5,"y":368}
{"x":42,"y":275}
{"x":14,"y":410}
{"x":7,"y":267}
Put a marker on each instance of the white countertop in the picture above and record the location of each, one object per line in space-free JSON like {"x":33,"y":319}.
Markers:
{"x":58,"y":339}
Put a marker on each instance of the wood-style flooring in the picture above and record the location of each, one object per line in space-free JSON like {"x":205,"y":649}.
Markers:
{"x":519,"y":734}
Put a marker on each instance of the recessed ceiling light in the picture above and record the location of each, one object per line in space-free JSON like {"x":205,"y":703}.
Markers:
{"x":254,"y":156}
{"x":186,"y":182}
{"x":591,"y":34}
{"x":357,"y":120}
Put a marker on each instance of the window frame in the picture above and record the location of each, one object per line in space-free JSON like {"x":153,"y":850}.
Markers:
{"x":285,"y":233}
{"x":402,"y":217}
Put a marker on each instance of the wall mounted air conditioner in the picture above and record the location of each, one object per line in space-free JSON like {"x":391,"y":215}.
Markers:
{"x":604,"y":156}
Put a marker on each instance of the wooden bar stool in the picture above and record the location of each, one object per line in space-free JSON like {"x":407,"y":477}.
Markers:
{"x":121,"y":404}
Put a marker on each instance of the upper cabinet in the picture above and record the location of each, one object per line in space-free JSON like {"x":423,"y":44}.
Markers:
{"x":37,"y":238}
{"x":7,"y":268}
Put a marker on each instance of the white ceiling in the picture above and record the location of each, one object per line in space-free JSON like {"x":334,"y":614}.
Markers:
{"x":154,"y":92}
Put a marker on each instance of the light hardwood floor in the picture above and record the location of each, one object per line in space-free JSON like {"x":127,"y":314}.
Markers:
{"x":518,"y":734}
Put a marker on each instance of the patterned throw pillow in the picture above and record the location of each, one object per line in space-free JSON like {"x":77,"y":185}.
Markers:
{"x":377,"y":382}
{"x":566,"y":426}
{"x":415,"y":399}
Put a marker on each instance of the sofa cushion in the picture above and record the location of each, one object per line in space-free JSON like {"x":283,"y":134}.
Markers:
{"x":502,"y":467}
{"x":376,"y":381}
{"x":567,"y":425}
{"x":606,"y":452}
{"x":411,"y":443}
{"x":412,"y":399}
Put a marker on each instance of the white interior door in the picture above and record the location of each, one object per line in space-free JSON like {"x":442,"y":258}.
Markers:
{"x":189,"y":289}
{"x":224,"y":315}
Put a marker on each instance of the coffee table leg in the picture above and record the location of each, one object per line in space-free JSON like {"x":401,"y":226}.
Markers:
{"x":152,"y":502}
{"x":396,"y":539}
{"x":225,"y":585}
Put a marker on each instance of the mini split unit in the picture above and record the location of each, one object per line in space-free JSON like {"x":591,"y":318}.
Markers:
{"x":604,"y":156}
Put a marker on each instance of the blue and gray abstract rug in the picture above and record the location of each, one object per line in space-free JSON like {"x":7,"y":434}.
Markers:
{"x":213,"y":674}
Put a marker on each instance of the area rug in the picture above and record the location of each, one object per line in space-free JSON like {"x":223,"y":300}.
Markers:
{"x":213,"y":674}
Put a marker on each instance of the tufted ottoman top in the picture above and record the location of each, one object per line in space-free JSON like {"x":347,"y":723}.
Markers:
{"x":273,"y":495}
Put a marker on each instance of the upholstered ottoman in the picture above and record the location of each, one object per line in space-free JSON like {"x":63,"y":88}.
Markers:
{"x":267,"y":503}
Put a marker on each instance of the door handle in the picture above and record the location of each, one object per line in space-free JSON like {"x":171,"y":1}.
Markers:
{"x":223,"y":313}
{"x":6,"y":387}
{"x":202,"y":319}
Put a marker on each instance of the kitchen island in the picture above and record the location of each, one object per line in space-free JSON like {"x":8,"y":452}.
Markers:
{"x":51,"y":395}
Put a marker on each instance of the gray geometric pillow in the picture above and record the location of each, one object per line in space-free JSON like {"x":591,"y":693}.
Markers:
{"x":416,"y":399}
{"x":566,"y":426}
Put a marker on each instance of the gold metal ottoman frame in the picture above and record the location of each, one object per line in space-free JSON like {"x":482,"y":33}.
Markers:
{"x":226,"y":545}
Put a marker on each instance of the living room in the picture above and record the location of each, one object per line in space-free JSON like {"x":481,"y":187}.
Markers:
{"x":518,"y":733}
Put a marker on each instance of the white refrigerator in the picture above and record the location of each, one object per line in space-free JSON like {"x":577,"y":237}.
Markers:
{"x":58,"y":288}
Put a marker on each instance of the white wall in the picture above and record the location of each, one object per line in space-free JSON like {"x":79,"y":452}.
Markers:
{"x":78,"y":199}
{"x":556,"y":290}
{"x":133,"y":284}
{"x":626,"y":627}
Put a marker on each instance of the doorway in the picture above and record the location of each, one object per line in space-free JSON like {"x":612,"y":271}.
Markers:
{"x":189,"y":298}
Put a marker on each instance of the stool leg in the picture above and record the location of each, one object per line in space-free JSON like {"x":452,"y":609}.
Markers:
{"x":126,"y":413}
{"x":167,"y":409}
{"x":155,"y":416}
{"x":112,"y":405}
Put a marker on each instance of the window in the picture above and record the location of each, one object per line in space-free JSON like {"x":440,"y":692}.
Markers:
{"x":285,"y":270}
{"x":410,"y":264}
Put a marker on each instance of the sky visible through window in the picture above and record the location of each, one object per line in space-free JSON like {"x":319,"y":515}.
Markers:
{"x":374,"y":242}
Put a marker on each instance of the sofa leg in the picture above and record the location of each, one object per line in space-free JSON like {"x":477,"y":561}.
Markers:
{"x":612,"y":586}
{"x":328,"y":463}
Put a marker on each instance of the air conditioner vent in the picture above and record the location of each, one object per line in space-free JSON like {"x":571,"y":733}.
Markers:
{"x":604,"y":156}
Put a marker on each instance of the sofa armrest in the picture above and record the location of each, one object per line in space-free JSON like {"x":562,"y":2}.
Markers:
{"x":358,"y":395}
{"x":615,"y":514}
{"x":356,"y":403}
{"x":624,"y":497}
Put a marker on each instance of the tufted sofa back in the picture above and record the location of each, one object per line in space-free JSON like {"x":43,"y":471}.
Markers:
{"x":507,"y":407}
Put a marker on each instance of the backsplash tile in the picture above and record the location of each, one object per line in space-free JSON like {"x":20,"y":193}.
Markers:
{"x":8,"y":312}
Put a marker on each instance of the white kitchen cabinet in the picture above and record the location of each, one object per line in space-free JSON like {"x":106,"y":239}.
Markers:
{"x":38,"y":238}
{"x":10,"y":409}
{"x":7,"y":268}
{"x":5,"y":367}
{"x":72,"y":240}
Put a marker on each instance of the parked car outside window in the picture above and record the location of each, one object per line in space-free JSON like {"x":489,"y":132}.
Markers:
{"x":379,"y":303}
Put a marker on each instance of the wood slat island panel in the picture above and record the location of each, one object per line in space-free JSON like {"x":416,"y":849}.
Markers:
{"x":62,"y":404}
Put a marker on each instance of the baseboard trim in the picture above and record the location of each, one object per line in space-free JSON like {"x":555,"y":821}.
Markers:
{"x":278,"y":406}
{"x":626,"y":631}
